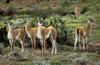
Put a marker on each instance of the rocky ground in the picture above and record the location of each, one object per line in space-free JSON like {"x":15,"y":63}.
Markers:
{"x":63,"y":57}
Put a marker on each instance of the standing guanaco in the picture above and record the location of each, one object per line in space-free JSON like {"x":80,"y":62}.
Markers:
{"x":77,"y":11}
{"x":31,"y":32}
{"x":44,"y":33}
{"x":15,"y":34}
{"x":83,"y":32}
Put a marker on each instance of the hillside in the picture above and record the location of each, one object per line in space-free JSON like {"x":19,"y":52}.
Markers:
{"x":59,"y":14}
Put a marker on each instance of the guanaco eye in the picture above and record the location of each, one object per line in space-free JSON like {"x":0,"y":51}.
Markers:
{"x":11,"y":23}
{"x":40,"y":21}
{"x":24,"y":21}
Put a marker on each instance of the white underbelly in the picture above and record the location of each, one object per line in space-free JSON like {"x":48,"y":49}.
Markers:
{"x":47,"y":36}
{"x":84,"y":34}
{"x":28,"y":35}
{"x":18,"y":35}
{"x":39,"y":36}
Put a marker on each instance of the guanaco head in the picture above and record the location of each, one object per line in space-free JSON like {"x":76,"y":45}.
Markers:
{"x":10,"y":24}
{"x":90,"y":20}
{"x":40,"y":21}
{"x":75,"y":17}
{"x":25,"y":21}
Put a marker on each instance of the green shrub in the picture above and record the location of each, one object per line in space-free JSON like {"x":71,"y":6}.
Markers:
{"x":65,"y":61}
{"x":83,"y":60}
{"x":64,"y":48}
{"x":38,"y":62}
{"x":42,"y":62}
{"x":73,"y":55}
{"x":98,"y":63}
{"x":16,"y":49}
{"x":3,"y":36}
{"x":84,"y":9}
{"x":64,"y":34}
{"x":56,"y":63}
{"x":2,"y":47}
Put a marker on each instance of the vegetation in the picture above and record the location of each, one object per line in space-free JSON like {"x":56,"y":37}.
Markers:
{"x":56,"y":13}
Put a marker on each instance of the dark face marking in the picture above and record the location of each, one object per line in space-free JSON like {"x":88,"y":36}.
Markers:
{"x":10,"y":23}
{"x":41,"y":21}
{"x":25,"y":21}
{"x":91,"y":20}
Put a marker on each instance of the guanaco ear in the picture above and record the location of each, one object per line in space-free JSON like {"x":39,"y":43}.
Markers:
{"x":92,"y":20}
{"x":12,"y":20}
{"x":41,"y":18}
{"x":38,"y":19}
{"x":8,"y":21}
{"x":27,"y":18}
{"x":89,"y":18}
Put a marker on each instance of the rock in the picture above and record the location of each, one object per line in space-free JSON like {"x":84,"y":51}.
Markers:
{"x":17,"y":56}
{"x":5,"y":56}
{"x":11,"y":58}
{"x":1,"y":56}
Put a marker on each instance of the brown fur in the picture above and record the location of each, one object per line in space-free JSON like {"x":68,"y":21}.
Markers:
{"x":80,"y":30}
{"x":83,"y":32}
{"x":32,"y":32}
{"x":77,"y":11}
{"x":15,"y":34}
{"x":44,"y":32}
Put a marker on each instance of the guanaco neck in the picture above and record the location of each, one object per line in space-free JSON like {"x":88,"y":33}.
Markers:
{"x":27,"y":27}
{"x":39,"y":30}
{"x":10,"y":29}
{"x":89,"y":26}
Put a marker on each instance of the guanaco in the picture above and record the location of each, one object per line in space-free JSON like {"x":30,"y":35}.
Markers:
{"x":83,"y":32}
{"x":17,"y":34}
{"x":31,"y":32}
{"x":77,"y":11}
{"x":44,"y":33}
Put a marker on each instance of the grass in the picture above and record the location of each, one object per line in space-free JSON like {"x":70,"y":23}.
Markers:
{"x":66,"y":54}
{"x":63,"y":57}
{"x":16,"y":49}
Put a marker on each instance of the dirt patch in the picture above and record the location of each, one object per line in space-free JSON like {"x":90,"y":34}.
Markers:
{"x":97,"y":44}
{"x":61,"y":57}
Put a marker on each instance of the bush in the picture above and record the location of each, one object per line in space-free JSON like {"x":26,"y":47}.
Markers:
{"x":63,"y":3}
{"x":64,"y":35}
{"x":84,"y":9}
{"x":16,"y":49}
{"x":73,"y":55}
{"x":1,"y":48}
{"x":83,"y":60}
{"x":64,"y":48}
{"x":98,"y":63}
{"x":3,"y":36}
{"x":56,"y":63}
{"x":38,"y":62}
{"x":42,"y":62}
